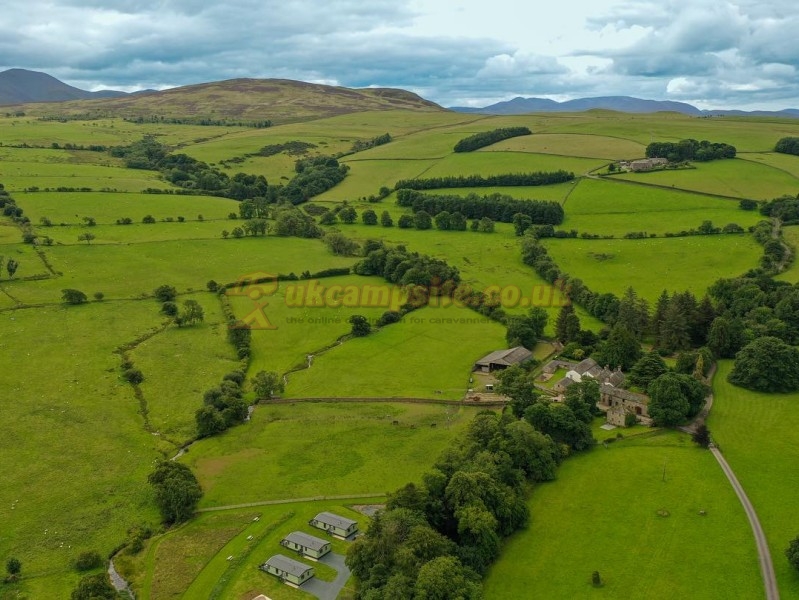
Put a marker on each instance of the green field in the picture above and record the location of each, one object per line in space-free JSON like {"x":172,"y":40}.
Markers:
{"x":610,"y":207}
{"x":791,"y":274}
{"x":757,"y":433}
{"x":106,"y":208}
{"x":590,"y":146}
{"x":76,"y":459}
{"x":602,"y":515}
{"x":429,"y":354}
{"x":733,"y":178}
{"x":80,"y":442}
{"x":307,"y":449}
{"x":656,"y":264}
{"x":301,"y":328}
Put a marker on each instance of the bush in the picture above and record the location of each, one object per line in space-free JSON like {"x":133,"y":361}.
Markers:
{"x":133,"y":376}
{"x":88,"y":560}
{"x":165,"y":293}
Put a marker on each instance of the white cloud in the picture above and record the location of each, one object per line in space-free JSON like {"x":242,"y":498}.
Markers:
{"x":453,"y":51}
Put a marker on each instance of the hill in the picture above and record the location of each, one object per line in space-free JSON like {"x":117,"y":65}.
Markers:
{"x":19,"y":86}
{"x":627,"y":104}
{"x":278,"y":100}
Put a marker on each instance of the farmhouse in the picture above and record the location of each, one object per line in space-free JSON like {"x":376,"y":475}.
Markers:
{"x":305,"y":544}
{"x":618,"y":403}
{"x":502,"y":359}
{"x":334,"y":524}
{"x":586,"y":368}
{"x":647,"y":163}
{"x":288,"y":570}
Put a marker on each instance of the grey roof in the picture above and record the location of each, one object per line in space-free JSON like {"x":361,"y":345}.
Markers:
{"x":623,"y":394}
{"x":306,"y":541}
{"x":287,"y":565}
{"x":585,"y":366}
{"x":329,"y":518}
{"x":507,"y":357}
{"x":566,"y":382}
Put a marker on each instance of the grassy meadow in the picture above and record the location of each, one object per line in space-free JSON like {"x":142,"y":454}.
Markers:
{"x":656,"y":264}
{"x":757,"y":434}
{"x":631,"y":512}
{"x":305,"y":449}
{"x":80,"y":442}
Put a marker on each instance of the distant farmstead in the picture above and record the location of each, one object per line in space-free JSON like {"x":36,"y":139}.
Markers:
{"x":334,"y":524}
{"x":288,"y":570}
{"x":647,"y":164}
{"x":502,"y":359}
{"x":305,"y":544}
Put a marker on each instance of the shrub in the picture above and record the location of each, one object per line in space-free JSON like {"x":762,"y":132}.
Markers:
{"x":88,"y":560}
{"x":133,"y":376}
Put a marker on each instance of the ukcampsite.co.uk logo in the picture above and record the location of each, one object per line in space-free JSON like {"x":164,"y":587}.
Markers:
{"x":260,"y":287}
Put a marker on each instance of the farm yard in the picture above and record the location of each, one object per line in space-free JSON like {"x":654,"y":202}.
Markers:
{"x":83,"y":438}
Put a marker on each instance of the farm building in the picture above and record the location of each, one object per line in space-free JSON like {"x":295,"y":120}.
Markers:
{"x":334,"y":524}
{"x":305,"y":544}
{"x":502,"y":359}
{"x":617,"y":403}
{"x":288,"y":569}
{"x":587,"y":368}
{"x":647,"y":164}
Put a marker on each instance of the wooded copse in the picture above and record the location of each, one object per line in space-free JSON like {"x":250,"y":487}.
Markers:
{"x":486,"y":138}
{"x":532,"y":179}
{"x":690,"y":149}
{"x":496,"y":207}
{"x":314,"y":175}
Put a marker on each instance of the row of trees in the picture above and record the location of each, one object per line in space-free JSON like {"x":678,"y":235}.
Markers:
{"x":486,"y":138}
{"x":361,"y":145}
{"x":535,"y":178}
{"x":690,"y":149}
{"x":496,"y":207}
{"x":313,"y":175}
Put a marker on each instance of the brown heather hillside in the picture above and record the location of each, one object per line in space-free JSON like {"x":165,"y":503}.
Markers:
{"x":279,"y":100}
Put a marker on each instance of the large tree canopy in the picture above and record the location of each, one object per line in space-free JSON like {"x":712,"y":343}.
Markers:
{"x":767,"y":365}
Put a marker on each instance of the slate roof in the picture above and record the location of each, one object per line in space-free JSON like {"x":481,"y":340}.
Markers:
{"x":586,"y":365}
{"x":336,"y":521}
{"x":507,"y":357}
{"x":287,"y":565}
{"x":623,"y":394}
{"x":306,"y":541}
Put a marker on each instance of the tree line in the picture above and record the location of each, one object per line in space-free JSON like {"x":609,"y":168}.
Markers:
{"x":690,"y":149}
{"x":203,"y":121}
{"x":496,"y":207}
{"x":313,"y":175}
{"x":486,"y":138}
{"x":533,"y":179}
{"x":361,"y":145}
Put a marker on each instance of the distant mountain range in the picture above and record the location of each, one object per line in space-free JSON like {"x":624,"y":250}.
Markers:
{"x":285,"y":100}
{"x":18,"y":86}
{"x":628,"y":104}
{"x":246,"y":100}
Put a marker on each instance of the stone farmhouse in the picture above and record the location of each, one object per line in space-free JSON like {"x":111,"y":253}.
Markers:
{"x":647,"y":164}
{"x":614,"y":400}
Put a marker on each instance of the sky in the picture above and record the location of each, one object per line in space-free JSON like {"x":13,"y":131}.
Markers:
{"x":710,"y":53}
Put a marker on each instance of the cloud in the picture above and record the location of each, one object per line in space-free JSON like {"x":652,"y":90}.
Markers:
{"x":736,"y":51}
